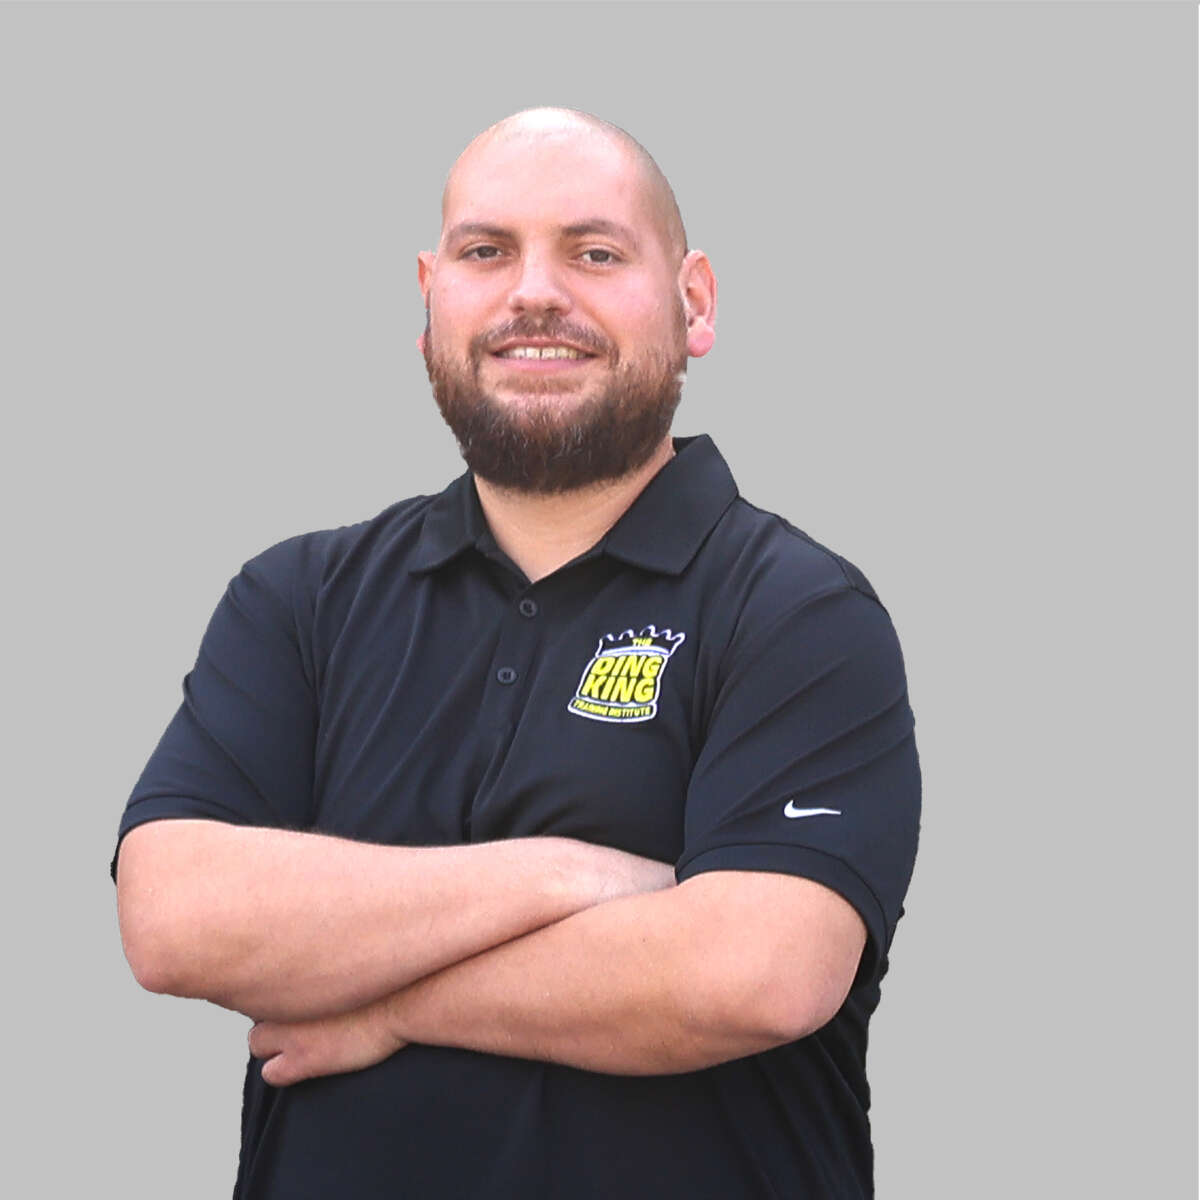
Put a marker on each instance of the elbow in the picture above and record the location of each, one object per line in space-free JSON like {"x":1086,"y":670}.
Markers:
{"x":156,"y":934}
{"x":149,"y":960}
{"x":150,"y":971}
{"x":801,"y":993}
{"x":169,"y":958}
{"x":783,"y":1003}
{"x":751,"y":1015}
{"x":151,"y":947}
{"x":780,"y":954}
{"x":787,"y":1011}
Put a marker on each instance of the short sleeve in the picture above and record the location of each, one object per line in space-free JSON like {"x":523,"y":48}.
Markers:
{"x":240,"y":748}
{"x":809,"y":766}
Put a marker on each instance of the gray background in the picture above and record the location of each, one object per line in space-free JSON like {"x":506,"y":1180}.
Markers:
{"x":956,"y":247}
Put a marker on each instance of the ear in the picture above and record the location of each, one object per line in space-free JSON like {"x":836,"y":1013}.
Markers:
{"x":698,"y":290}
{"x":425,"y":262}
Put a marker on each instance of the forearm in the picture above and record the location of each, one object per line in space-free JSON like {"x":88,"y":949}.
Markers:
{"x":287,"y":926}
{"x":655,"y":984}
{"x":623,"y":1007}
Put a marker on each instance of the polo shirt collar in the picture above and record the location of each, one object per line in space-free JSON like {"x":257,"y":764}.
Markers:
{"x":660,"y":531}
{"x":453,"y":523}
{"x":665,"y":526}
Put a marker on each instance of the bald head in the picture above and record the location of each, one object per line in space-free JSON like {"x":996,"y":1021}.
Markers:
{"x":543,"y":128}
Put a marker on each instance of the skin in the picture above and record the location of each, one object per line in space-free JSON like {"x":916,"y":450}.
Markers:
{"x":550,"y":217}
{"x":541,"y":948}
{"x":726,"y":964}
{"x":289,"y":925}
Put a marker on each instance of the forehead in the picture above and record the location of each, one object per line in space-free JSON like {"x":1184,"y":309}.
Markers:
{"x":558,"y":179}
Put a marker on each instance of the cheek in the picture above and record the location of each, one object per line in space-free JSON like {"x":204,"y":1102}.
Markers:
{"x":641,"y":303}
{"x":454,"y":305}
{"x":653,"y":322}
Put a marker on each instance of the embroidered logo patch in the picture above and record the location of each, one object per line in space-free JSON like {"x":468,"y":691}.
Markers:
{"x":622,"y":680}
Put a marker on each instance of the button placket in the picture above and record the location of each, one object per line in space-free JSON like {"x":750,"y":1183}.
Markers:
{"x":515,"y":652}
{"x":506,"y":692}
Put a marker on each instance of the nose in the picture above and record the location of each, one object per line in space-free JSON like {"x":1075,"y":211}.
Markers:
{"x":539,"y":286}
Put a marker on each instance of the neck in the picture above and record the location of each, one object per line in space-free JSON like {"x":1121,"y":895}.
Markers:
{"x":542,"y":532}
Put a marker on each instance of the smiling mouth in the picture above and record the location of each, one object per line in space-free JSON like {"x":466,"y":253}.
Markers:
{"x":542,"y":353}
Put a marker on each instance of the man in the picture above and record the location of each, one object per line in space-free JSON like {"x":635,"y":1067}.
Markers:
{"x":553,"y":830}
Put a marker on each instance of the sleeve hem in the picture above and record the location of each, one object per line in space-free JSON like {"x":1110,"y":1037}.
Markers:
{"x":165,"y":809}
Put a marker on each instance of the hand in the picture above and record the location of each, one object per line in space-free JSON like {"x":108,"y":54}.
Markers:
{"x":296,"y":1050}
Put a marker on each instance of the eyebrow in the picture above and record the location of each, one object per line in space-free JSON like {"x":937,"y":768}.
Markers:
{"x":476,"y":229}
{"x":602,"y":226}
{"x":593,"y":225}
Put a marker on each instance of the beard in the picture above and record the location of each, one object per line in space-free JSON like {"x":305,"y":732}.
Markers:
{"x":549,"y":440}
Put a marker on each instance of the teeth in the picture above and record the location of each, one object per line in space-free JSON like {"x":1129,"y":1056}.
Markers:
{"x":542,"y":352}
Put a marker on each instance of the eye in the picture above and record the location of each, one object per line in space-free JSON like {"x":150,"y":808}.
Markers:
{"x":599,"y":257}
{"x":482,"y":253}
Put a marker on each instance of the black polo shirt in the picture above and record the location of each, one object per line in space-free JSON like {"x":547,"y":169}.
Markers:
{"x":705,"y":686}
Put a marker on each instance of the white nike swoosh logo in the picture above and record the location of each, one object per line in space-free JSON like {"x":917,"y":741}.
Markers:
{"x":790,"y":810}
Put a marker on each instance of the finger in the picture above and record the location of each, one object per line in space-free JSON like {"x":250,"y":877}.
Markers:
{"x":264,"y":1040}
{"x":278,"y":1071}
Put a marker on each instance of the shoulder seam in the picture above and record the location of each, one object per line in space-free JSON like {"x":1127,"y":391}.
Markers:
{"x":800,"y":535}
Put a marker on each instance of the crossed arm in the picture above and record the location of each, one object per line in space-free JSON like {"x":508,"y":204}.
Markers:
{"x":540,"y":948}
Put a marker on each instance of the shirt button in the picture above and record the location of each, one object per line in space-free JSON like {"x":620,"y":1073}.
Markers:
{"x":506,"y":675}
{"x":528,"y":607}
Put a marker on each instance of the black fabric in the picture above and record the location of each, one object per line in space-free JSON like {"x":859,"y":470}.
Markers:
{"x":706,"y":686}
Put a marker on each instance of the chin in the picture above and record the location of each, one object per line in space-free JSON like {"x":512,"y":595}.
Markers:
{"x":541,"y":389}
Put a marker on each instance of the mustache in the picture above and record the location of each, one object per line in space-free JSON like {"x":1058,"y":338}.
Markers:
{"x":554,"y":328}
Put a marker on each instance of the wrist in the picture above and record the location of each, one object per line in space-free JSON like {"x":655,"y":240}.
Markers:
{"x":393,"y":1011}
{"x":404,"y":1009}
